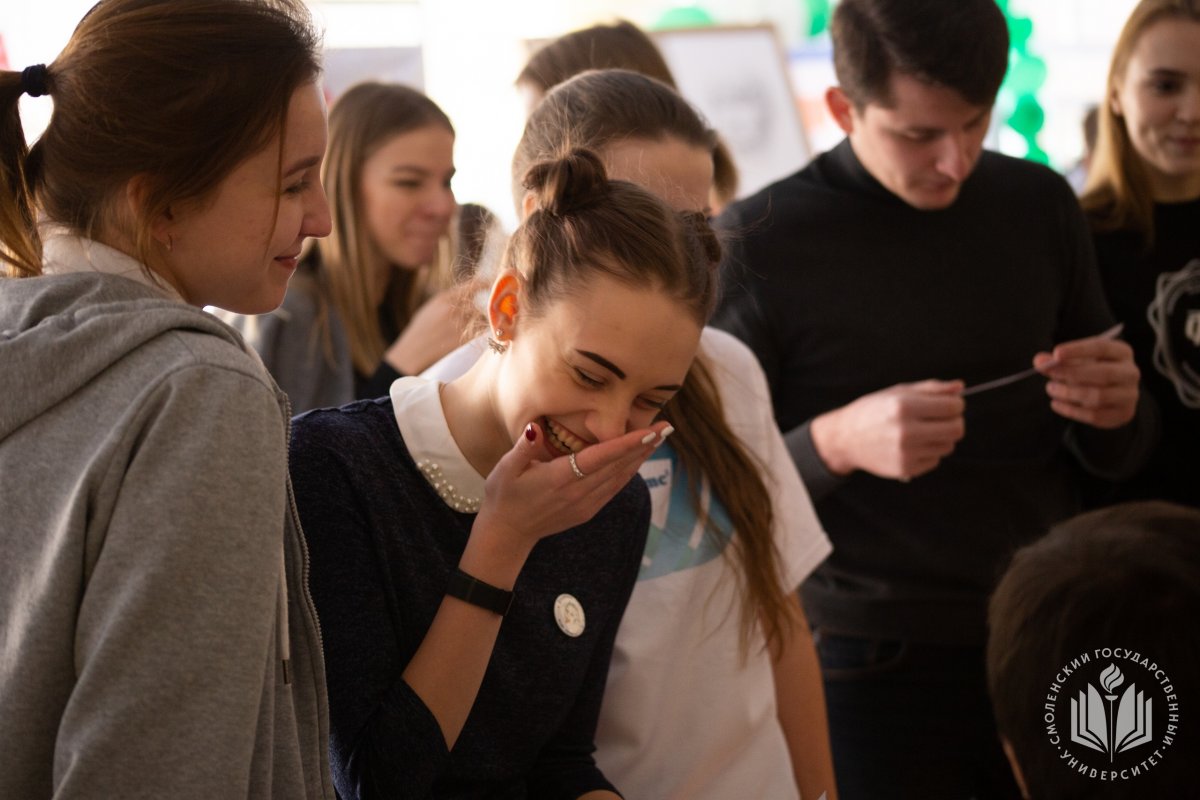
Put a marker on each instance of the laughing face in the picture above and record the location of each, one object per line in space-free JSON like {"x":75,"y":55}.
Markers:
{"x":594,"y":365}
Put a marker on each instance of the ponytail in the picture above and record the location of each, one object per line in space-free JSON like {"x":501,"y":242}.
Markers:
{"x":20,"y":245}
{"x":706,"y":446}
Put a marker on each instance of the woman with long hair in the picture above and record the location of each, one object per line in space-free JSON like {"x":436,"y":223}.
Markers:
{"x":714,"y":690}
{"x":469,"y":588}
{"x":158,"y":635}
{"x":1143,"y":201}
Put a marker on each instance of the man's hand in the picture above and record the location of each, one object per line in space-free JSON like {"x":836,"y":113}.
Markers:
{"x":1092,"y":380}
{"x":899,"y":432}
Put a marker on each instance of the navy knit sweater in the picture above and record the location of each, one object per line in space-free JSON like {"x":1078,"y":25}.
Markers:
{"x":383,"y":545}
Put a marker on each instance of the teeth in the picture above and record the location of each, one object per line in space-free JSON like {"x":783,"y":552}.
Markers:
{"x":562,"y":439}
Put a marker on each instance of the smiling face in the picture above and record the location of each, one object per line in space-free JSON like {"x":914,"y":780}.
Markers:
{"x":594,"y":365}
{"x":407,"y":202}
{"x":922,"y":145}
{"x":237,"y":249}
{"x":1158,"y":97}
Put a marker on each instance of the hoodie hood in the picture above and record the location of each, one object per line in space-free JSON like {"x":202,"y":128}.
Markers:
{"x":59,"y":332}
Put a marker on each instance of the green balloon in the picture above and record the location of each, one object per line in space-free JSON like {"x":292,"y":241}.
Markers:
{"x":1019,"y":31}
{"x":1033,"y":152}
{"x":818,"y":17}
{"x":1026,"y":74}
{"x":1028,"y":117}
{"x":684,"y":17}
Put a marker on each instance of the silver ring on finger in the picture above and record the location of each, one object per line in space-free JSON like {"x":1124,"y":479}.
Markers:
{"x":575,"y":467}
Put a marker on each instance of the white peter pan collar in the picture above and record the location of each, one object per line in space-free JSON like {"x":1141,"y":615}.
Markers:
{"x":417,"y":404}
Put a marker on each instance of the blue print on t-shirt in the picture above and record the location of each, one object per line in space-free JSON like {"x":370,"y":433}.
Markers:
{"x":677,"y":540}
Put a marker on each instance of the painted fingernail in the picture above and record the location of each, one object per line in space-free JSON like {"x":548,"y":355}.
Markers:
{"x":649,"y":437}
{"x":667,"y":431}
{"x":530,"y":432}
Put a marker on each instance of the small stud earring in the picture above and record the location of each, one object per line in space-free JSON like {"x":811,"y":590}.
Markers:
{"x":498,"y":345}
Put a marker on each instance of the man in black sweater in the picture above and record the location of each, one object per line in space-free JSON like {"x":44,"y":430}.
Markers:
{"x":879,"y":287}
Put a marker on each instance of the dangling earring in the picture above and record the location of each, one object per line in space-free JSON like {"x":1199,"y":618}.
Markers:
{"x":498,"y":345}
{"x":170,"y":243}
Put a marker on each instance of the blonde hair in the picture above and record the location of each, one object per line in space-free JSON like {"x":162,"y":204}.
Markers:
{"x":1117,"y":195}
{"x":347,"y":261}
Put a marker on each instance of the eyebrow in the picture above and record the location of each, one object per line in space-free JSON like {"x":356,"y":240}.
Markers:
{"x":927,"y":131}
{"x":615,"y":370}
{"x":302,"y":165}
{"x":419,"y":170}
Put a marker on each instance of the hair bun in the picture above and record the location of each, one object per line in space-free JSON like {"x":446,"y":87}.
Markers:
{"x":571,"y":183}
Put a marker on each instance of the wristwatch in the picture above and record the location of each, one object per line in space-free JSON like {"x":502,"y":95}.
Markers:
{"x":474,"y":591}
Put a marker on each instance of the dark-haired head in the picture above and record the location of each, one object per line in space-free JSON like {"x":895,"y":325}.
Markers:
{"x":154,"y":100}
{"x":1126,"y":576}
{"x":916,"y":82}
{"x":959,"y":44}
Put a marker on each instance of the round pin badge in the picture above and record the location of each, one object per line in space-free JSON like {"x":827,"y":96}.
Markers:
{"x":568,"y":613}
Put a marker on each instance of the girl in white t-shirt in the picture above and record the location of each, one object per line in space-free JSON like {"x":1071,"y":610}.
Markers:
{"x":714,"y":689}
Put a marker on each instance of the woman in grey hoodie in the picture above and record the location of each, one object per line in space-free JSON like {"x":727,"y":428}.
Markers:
{"x":157,"y":638}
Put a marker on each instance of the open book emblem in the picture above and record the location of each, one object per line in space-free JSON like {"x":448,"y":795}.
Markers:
{"x":1115,"y":726}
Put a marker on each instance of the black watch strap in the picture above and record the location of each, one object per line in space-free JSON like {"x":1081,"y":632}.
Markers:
{"x":477,"y":593}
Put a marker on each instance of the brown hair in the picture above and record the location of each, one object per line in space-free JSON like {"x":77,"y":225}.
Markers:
{"x":583,"y":224}
{"x":1117,"y":194}
{"x":962,"y":45}
{"x":621,"y":45}
{"x":599,"y":108}
{"x":1122,"y":576}
{"x":591,"y":111}
{"x":176,"y":93}
{"x":362,"y":120}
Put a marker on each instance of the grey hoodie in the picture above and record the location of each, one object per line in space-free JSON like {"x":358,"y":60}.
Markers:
{"x":145,"y":517}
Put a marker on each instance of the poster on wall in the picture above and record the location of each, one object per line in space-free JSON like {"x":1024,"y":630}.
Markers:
{"x":738,"y":77}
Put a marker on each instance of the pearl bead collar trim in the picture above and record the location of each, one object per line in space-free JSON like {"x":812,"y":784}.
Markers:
{"x":449,"y":494}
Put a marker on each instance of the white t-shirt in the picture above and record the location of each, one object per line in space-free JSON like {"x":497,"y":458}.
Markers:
{"x":683,"y":716}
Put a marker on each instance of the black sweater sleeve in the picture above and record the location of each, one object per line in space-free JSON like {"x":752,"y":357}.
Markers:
{"x":1117,"y":453}
{"x":565,"y":768}
{"x":384,"y":741}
